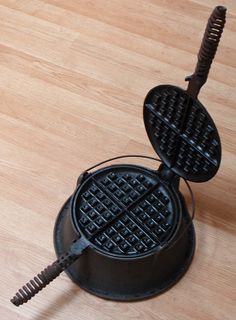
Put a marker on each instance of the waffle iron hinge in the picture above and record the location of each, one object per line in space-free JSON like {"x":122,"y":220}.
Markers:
{"x":169,"y":176}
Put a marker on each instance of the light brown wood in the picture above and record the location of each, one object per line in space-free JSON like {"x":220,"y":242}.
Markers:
{"x":73,"y":78}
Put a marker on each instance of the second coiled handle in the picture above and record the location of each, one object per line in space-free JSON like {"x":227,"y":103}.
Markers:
{"x":210,"y":41}
{"x":207,"y":50}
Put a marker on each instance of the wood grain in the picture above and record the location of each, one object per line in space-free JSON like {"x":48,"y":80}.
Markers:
{"x":73,"y":78}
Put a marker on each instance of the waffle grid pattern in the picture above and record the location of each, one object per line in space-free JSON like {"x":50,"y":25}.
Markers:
{"x":125,"y":213}
{"x":183,"y":133}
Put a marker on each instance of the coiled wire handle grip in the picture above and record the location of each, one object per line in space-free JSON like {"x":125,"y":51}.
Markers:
{"x":52,"y":271}
{"x":207,"y":50}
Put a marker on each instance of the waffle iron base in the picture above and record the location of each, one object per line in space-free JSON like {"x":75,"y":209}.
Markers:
{"x":63,"y":222}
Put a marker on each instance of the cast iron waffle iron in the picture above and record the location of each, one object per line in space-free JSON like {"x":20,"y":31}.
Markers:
{"x":125,"y":233}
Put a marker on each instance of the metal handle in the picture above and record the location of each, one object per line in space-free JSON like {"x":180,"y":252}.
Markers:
{"x":207,"y":50}
{"x":39,"y":282}
{"x":121,"y":157}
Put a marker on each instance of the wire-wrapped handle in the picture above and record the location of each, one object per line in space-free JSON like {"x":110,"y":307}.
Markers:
{"x":42,"y":280}
{"x":207,"y":50}
{"x":39,"y":282}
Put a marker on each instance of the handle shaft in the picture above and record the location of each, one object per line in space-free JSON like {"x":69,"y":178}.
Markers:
{"x":207,"y":50}
{"x":39,"y":282}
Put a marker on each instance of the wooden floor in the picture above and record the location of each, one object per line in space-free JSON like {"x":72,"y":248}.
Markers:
{"x":74,"y":74}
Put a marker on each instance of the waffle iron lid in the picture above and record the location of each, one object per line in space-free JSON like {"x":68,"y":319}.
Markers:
{"x":182,"y":133}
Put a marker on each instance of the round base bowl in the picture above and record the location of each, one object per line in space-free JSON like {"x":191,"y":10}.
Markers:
{"x":126,"y":279}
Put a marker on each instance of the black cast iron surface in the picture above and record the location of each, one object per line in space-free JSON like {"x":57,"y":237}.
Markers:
{"x":182,"y":133}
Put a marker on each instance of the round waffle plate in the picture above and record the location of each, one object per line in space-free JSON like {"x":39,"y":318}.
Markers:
{"x":125,"y":210}
{"x":182,"y":133}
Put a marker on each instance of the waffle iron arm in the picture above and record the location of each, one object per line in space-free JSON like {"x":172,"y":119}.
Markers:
{"x":51,"y":272}
{"x":207,"y":51}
